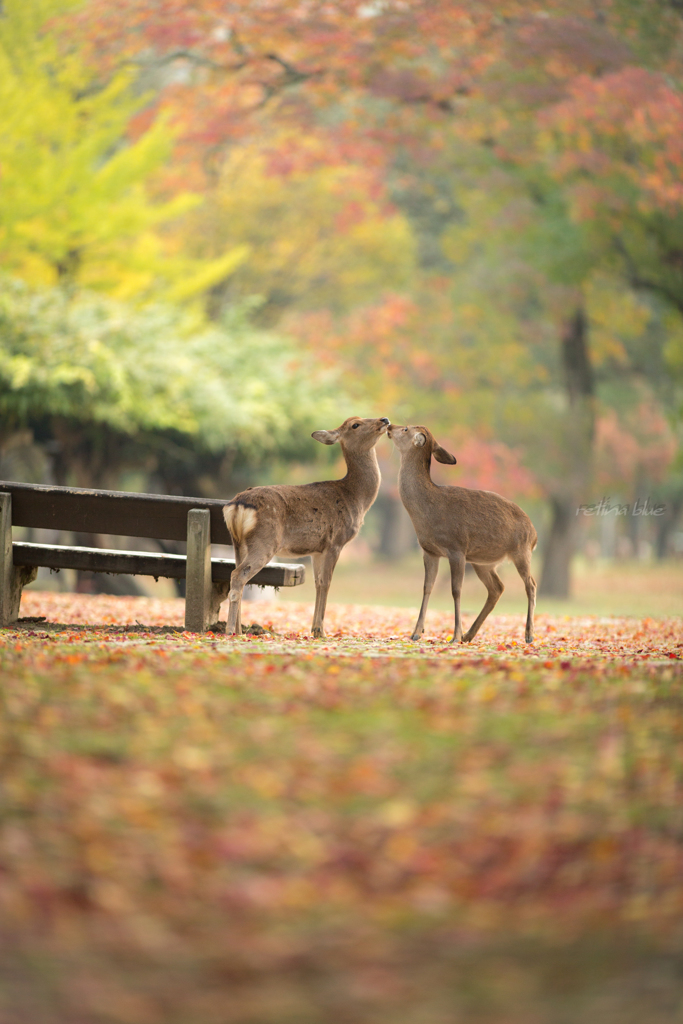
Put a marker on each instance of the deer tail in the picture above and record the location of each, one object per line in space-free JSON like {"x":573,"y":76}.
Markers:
{"x":240,"y":520}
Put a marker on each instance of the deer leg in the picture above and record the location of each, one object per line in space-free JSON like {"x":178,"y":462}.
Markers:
{"x":457,"y":564}
{"x":239,"y":556}
{"x":431,"y":569}
{"x":252,"y":559}
{"x":523,"y":567}
{"x":495,"y":586}
{"x":323,"y":567}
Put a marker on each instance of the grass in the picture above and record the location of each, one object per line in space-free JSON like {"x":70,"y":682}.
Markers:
{"x":202,"y":830}
{"x":600,"y":587}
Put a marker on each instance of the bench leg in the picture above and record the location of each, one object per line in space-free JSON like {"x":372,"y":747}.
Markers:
{"x":198,"y":571}
{"x":13,"y":578}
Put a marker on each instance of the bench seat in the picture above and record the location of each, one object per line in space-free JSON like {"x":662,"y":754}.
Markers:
{"x":143,"y":563}
{"x":199,"y":522}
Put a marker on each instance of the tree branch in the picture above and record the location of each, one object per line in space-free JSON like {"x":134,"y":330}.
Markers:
{"x":293,"y":74}
{"x":182,"y":54}
{"x":637,"y":280}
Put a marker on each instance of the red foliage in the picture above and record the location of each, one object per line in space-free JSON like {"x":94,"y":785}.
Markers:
{"x":627,"y":125}
{"x":487,"y":465}
{"x":226,"y":67}
{"x":640,"y":447}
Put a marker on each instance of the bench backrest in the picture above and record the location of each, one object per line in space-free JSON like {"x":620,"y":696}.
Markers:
{"x":80,"y":510}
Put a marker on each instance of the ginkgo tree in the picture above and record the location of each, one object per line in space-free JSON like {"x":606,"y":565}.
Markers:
{"x":108,"y":385}
{"x":76,"y":203}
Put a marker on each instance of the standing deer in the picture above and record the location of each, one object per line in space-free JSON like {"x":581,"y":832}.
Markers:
{"x":306,"y":519}
{"x":462,"y":525}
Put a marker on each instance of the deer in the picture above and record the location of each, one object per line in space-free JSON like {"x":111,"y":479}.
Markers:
{"x":462,"y":525}
{"x":315,"y":519}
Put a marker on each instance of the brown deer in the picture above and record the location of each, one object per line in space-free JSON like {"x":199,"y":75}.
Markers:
{"x":306,"y":519}
{"x":462,"y":525}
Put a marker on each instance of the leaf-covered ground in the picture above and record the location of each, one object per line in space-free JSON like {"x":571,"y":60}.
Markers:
{"x":364,"y":629}
{"x":265,"y":830}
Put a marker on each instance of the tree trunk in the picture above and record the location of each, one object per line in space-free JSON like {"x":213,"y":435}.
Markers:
{"x":666,"y":526}
{"x":556,"y":574}
{"x":576,"y":473}
{"x":397,"y":534}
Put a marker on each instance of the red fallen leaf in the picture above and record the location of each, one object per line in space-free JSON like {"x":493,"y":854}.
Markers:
{"x":548,"y":664}
{"x":584,"y":637}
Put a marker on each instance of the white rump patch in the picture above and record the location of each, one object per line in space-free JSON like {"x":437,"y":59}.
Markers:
{"x":240,"y":521}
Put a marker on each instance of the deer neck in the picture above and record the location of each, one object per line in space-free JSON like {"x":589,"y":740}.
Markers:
{"x":414,"y":476}
{"x":362,"y":476}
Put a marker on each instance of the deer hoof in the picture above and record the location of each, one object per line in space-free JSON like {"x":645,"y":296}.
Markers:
{"x":416,"y":636}
{"x":318,"y":634}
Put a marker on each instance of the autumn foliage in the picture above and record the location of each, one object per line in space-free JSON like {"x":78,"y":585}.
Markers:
{"x":466,"y":213}
{"x":200,"y":827}
{"x":423,"y":195}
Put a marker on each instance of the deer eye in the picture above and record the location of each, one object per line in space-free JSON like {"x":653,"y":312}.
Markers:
{"x":356,"y":425}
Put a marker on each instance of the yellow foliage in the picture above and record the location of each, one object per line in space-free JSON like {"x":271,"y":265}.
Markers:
{"x":673,"y":351}
{"x":316,"y":236}
{"x":616,"y":314}
{"x":75,"y":206}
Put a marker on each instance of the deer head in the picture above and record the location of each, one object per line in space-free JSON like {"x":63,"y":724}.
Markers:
{"x":408,"y":439}
{"x":355,"y":434}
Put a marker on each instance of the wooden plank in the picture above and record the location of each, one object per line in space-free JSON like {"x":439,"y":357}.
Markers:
{"x":7,"y":570}
{"x":198,"y":571}
{"x":80,"y":510}
{"x":12,"y":577}
{"x":144,"y":563}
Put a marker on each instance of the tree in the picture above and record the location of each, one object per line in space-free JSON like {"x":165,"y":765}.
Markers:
{"x":319,"y":236}
{"x":112,"y":388}
{"x":491,"y":89}
{"x":76,"y":207}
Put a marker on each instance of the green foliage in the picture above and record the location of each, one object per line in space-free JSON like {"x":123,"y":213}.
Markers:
{"x":94,"y":361}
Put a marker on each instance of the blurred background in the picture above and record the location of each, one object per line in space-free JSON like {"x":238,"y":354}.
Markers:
{"x":226,"y":224}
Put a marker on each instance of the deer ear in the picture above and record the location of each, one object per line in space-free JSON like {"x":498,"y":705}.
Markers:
{"x":419,"y":440}
{"x":441,"y":455}
{"x":326,"y":436}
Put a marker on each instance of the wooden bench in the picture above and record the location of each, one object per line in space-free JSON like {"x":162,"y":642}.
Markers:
{"x":199,"y":521}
